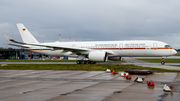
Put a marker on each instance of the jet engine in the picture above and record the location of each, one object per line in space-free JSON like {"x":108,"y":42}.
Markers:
{"x":98,"y":56}
{"x":114,"y":58}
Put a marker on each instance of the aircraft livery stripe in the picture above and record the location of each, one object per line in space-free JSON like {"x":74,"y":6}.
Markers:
{"x":110,"y":49}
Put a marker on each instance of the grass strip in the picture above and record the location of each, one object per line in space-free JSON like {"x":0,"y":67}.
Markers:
{"x":159,"y":60}
{"x":2,"y":60}
{"x":86,"y":67}
{"x":178,"y":54}
{"x":38,"y":60}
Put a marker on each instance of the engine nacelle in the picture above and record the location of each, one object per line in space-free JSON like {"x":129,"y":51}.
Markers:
{"x":98,"y":56}
{"x":114,"y":58}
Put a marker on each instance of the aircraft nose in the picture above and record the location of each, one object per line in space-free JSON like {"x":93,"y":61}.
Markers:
{"x":174,"y":51}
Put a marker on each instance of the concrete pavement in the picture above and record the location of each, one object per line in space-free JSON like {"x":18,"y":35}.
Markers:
{"x":48,"y":85}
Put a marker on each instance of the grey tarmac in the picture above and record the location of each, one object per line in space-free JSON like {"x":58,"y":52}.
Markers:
{"x":49,"y":85}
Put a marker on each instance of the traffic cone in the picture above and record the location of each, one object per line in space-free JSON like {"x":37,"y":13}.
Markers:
{"x":114,"y":72}
{"x":128,"y":77}
{"x":150,"y":83}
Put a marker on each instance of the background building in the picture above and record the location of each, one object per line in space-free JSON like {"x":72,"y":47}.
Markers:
{"x":25,"y":54}
{"x":20,"y":54}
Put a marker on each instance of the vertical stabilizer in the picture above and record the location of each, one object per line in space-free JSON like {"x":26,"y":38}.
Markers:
{"x":26,"y":36}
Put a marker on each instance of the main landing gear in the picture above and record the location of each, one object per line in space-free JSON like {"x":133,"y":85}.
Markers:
{"x":85,"y":62}
{"x":162,"y":62}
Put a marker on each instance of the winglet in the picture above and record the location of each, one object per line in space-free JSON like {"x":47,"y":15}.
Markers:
{"x":12,"y":40}
{"x":7,"y":37}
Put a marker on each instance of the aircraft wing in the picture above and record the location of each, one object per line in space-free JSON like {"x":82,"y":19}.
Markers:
{"x":55,"y":47}
{"x":18,"y":45}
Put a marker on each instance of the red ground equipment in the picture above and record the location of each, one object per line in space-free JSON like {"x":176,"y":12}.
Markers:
{"x":150,"y":83}
{"x":128,"y":77}
{"x":114,"y":72}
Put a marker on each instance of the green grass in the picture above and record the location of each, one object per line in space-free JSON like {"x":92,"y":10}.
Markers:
{"x":178,"y":54}
{"x":86,"y":67}
{"x":159,"y":60}
{"x":114,"y":61}
{"x":38,"y":60}
{"x":22,"y":60}
{"x":2,"y":60}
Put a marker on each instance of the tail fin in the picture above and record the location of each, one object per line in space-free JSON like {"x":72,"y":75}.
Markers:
{"x":26,"y":36}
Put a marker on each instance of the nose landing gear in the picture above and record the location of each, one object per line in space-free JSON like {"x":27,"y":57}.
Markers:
{"x":162,"y":62}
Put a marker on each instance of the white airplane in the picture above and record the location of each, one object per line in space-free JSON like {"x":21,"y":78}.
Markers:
{"x":94,"y":51}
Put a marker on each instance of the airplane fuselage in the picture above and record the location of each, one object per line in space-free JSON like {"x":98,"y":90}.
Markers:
{"x":140,"y":48}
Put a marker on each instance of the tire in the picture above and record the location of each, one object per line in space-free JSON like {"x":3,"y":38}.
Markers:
{"x":93,"y":62}
{"x":85,"y":62}
{"x":162,"y":62}
{"x":88,"y":62}
{"x":78,"y":62}
{"x":82,"y":62}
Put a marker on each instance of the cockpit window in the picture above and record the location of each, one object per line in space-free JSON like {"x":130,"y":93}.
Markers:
{"x":168,"y":46}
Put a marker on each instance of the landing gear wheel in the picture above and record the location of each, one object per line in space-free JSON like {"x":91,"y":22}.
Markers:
{"x":83,"y":62}
{"x":78,"y":62}
{"x":162,"y":62}
{"x":88,"y":62}
{"x":91,"y":62}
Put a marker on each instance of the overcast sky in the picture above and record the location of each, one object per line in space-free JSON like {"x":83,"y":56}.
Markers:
{"x":92,"y":20}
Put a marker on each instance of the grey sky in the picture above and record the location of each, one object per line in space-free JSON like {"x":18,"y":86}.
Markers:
{"x":85,"y":20}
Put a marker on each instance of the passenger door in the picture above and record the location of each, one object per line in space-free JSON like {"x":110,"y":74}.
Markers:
{"x":155,"y":46}
{"x":120,"y":46}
